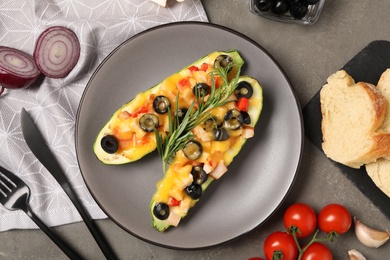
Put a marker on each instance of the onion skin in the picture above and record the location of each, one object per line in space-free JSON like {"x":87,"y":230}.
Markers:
{"x":11,"y":81}
{"x":17,"y":69}
{"x":57,"y":51}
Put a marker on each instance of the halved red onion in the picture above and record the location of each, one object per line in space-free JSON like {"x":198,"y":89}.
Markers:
{"x":17,"y":69}
{"x":57,"y":51}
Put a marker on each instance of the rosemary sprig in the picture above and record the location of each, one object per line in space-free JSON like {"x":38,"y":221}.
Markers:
{"x":180,"y":132}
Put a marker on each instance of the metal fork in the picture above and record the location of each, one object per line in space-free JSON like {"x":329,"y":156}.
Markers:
{"x":15,"y":194}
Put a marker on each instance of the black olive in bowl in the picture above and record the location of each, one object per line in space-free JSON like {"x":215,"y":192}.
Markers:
{"x":304,"y":12}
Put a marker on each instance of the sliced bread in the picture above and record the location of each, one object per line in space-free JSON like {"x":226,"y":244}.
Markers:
{"x":379,"y":172}
{"x":352,"y":117}
{"x":383,"y":87}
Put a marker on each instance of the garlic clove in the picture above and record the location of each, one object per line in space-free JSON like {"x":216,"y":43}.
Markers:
{"x":370,"y":237}
{"x":355,"y":255}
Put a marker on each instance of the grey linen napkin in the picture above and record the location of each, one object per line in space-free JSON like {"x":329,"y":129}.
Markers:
{"x":100,"y":26}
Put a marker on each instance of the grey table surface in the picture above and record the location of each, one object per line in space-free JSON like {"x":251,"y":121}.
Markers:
{"x":308,"y":55}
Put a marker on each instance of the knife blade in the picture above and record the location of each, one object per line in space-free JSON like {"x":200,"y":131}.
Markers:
{"x":42,"y":152}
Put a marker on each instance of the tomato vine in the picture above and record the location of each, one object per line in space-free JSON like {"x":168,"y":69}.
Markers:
{"x":300,"y":221}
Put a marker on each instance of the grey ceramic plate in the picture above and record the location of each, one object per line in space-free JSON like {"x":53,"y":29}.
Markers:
{"x":259,"y":178}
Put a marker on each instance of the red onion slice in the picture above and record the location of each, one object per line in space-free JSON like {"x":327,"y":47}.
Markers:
{"x":57,"y":51}
{"x":17,"y":69}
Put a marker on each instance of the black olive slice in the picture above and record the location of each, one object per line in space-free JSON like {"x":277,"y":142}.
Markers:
{"x":246,"y":118}
{"x":161,"y":211}
{"x":233,"y":119}
{"x":180,"y":113}
{"x":212,"y":123}
{"x":194,"y":191}
{"x":192,"y":150}
{"x":148,"y":122}
{"x":209,"y":125}
{"x":221,"y":134}
{"x":199,"y":175}
{"x":109,"y":144}
{"x":223,"y":61}
{"x":243,"y":89}
{"x":161,"y":104}
{"x":201,"y":89}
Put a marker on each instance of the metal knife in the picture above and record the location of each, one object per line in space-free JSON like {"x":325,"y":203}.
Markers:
{"x":41,"y":150}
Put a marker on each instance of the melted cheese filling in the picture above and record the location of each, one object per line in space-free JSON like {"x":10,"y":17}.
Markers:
{"x":178,"y":175}
{"x":135,"y":142}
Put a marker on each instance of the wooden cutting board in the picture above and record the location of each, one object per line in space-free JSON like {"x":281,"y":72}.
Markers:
{"x":367,"y":66}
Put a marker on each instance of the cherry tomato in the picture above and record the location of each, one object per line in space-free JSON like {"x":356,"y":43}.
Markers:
{"x":301,"y":217}
{"x":317,"y":251}
{"x":280,"y":245}
{"x":334,"y":218}
{"x":255,"y":258}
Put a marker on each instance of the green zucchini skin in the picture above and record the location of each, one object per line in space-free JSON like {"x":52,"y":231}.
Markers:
{"x":255,"y":112}
{"x":123,"y":158}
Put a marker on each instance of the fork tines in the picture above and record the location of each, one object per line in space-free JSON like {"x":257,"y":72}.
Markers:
{"x":7,"y":181}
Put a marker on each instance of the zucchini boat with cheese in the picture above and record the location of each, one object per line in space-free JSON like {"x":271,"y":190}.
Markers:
{"x":129,"y":134}
{"x":206,"y":151}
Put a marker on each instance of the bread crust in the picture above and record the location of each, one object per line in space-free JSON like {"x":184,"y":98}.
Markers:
{"x":352,"y":116}
{"x":338,"y":119}
{"x":379,"y":172}
{"x":383,"y":87}
{"x":381,"y":146}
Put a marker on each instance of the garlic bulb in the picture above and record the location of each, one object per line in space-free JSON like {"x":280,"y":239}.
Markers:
{"x":355,"y":255}
{"x":370,"y":237}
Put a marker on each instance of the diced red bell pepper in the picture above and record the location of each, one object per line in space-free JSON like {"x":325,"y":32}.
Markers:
{"x":173,"y":202}
{"x":193,"y":68}
{"x":143,"y":140}
{"x":243,"y":104}
{"x":151,"y":98}
{"x":141,"y":110}
{"x":134,"y":114}
{"x":183,"y":83}
{"x":204,"y":67}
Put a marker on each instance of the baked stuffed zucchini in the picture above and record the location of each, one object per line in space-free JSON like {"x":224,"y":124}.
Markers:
{"x":129,"y":134}
{"x":200,"y":147}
